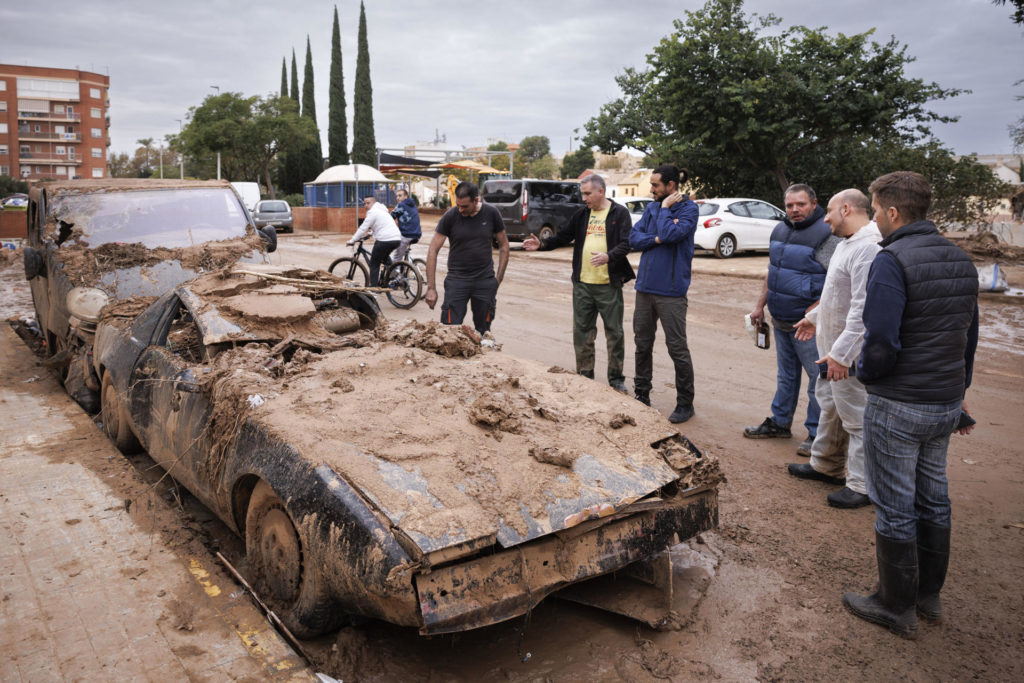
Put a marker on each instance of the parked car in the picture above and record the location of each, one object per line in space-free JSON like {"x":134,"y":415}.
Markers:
{"x":635,"y":205}
{"x":533,"y":207}
{"x":14,"y":201}
{"x":726,"y":226}
{"x":94,"y":242}
{"x":226,"y":382}
{"x":274,"y":212}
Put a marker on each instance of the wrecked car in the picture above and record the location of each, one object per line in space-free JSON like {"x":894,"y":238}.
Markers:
{"x":397,"y":472}
{"x":91,"y":242}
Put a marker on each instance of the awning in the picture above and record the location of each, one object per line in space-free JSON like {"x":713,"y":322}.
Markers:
{"x":470,"y":165}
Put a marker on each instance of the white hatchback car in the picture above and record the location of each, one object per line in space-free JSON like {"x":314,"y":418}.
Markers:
{"x":635,"y":205}
{"x":726,"y":226}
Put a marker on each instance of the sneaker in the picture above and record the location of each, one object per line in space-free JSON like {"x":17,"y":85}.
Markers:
{"x":681,"y":414}
{"x":804,"y":448}
{"x":619,"y":386}
{"x":847,"y":499}
{"x":767,"y":430}
{"x":643,"y":396}
{"x":805,"y":471}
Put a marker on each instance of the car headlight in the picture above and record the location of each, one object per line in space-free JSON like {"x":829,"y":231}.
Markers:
{"x":85,"y":303}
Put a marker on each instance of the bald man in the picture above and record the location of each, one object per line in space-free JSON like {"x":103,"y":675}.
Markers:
{"x":837,"y":320}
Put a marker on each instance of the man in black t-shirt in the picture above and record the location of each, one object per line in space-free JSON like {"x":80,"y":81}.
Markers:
{"x":470,"y":227}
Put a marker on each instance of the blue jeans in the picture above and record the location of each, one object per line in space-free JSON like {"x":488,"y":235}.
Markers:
{"x":792,"y":356}
{"x":905,"y":460}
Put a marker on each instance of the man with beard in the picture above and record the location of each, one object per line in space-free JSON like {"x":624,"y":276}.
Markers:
{"x":664,"y":235}
{"x":799,"y":251}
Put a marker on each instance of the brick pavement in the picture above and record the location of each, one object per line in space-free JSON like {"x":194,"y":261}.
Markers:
{"x":90,"y":590}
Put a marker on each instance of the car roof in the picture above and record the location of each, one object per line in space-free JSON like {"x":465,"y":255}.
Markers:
{"x":86,"y":186}
{"x":729,"y":200}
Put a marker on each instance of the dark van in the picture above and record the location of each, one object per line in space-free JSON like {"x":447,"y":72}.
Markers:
{"x":533,"y":207}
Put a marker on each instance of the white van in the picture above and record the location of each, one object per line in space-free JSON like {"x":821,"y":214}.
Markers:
{"x":249,"y":192}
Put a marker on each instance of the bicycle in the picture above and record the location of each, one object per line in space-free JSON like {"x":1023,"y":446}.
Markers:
{"x":401,"y":280}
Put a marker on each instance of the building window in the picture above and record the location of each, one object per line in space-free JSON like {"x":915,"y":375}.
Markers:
{"x":96,"y":133}
{"x":94,"y":92}
{"x":3,"y":150}
{"x":3,"y":105}
{"x":97,"y":152}
{"x":58,"y":108}
{"x":36,"y":128}
{"x":24,"y":150}
{"x":3,"y":126}
{"x":97,"y":173}
{"x":71,"y":153}
{"x":61,"y":150}
{"x":4,"y":170}
{"x":96,"y":112}
{"x":3,"y":86}
{"x":62,"y":170}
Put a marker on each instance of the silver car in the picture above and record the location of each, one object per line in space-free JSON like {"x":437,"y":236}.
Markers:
{"x":273,"y":212}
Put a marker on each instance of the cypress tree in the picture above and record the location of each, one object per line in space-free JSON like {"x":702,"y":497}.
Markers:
{"x":284,"y":77}
{"x":312,"y":155}
{"x":337,"y":124}
{"x":295,"y":80}
{"x":364,"y":143}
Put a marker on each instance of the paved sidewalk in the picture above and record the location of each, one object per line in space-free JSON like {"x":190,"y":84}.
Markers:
{"x":90,"y":590}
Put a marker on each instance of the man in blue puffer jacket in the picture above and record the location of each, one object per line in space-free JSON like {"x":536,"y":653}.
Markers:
{"x":800,"y":248}
{"x":665,"y":236}
{"x":407,"y":216}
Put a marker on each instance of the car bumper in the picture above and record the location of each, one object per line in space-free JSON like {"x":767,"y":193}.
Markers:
{"x":507,"y":584}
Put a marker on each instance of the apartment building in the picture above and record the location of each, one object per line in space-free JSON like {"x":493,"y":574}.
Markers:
{"x":54,"y":123}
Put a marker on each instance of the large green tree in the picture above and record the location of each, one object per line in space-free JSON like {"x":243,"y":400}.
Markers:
{"x":294,"y":92}
{"x":739,"y":99}
{"x":249,"y":132}
{"x":337,"y":122}
{"x":284,"y":77}
{"x":312,"y":153}
{"x":1018,"y":9}
{"x":534,"y":160}
{"x":364,"y":142}
{"x":577,"y":162}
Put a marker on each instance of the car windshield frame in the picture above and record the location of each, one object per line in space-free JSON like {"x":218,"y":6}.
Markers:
{"x":167,"y":217}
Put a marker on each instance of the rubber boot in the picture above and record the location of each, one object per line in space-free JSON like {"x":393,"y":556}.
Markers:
{"x":893,"y":604}
{"x":933,"y":560}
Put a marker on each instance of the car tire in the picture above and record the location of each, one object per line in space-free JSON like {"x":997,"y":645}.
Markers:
{"x":546,"y":233}
{"x":348,"y":268}
{"x":282,"y":573}
{"x":115,"y":422}
{"x":726,"y":246}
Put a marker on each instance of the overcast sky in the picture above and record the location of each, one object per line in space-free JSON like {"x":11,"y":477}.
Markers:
{"x":474,"y":71}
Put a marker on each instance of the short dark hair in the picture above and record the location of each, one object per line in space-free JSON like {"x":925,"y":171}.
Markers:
{"x":466,"y":189}
{"x":670,"y":173}
{"x":909,"y":192}
{"x":801,"y":187}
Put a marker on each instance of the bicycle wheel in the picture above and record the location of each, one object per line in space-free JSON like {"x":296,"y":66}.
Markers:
{"x":404,"y":284}
{"x":350,"y":269}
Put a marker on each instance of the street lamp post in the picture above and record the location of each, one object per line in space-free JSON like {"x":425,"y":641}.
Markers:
{"x":181,"y":158}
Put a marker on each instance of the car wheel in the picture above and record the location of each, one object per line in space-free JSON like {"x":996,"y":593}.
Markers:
{"x":546,"y":233}
{"x":726,"y":246}
{"x":282,"y":572}
{"x":114,"y":420}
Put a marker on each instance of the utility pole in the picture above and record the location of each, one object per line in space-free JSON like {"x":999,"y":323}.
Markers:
{"x":218,"y":151}
{"x":181,"y":152}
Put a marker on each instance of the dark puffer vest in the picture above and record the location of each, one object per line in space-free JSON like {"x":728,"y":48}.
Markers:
{"x":942,"y":292}
{"x":795,"y":278}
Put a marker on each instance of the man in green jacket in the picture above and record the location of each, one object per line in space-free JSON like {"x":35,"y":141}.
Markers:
{"x":600,"y":238}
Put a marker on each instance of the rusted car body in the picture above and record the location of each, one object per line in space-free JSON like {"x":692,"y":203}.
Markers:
{"x":215,"y":380}
{"x":93,"y":242}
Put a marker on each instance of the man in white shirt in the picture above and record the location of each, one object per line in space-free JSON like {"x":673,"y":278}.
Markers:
{"x":386,"y":236}
{"x":838,"y":322}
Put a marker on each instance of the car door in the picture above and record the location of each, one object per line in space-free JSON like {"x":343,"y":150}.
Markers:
{"x":764,"y":218}
{"x":179,"y":409}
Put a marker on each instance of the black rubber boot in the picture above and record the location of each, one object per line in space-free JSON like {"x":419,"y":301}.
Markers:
{"x":893,"y":604}
{"x":643,"y":396}
{"x":933,"y":560}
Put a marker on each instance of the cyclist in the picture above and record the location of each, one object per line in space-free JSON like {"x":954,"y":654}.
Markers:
{"x":408,"y":218}
{"x":386,"y":236}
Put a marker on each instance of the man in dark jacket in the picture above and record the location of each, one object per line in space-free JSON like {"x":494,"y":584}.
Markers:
{"x":665,"y":236}
{"x":600,"y":238}
{"x":407,"y":216}
{"x":920,"y":334}
{"x":800,"y":248}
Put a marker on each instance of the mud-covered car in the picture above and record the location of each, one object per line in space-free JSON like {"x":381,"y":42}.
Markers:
{"x":397,"y":472}
{"x":93,"y":242}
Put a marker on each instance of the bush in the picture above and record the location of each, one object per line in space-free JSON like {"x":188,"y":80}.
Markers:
{"x":9,"y":185}
{"x":293,"y":199}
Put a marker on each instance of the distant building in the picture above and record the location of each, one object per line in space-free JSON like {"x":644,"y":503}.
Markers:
{"x":54,"y":123}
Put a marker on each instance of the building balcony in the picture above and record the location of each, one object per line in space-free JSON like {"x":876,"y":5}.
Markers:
{"x":40,"y":158}
{"x":49,"y":116}
{"x":27,"y":135}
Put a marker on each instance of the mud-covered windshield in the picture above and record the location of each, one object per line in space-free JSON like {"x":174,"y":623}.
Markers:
{"x":172,"y":218}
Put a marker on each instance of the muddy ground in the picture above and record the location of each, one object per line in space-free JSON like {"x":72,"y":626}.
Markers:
{"x":780,"y":559}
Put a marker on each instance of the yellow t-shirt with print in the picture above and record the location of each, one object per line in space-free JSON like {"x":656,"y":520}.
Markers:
{"x":596,"y":243}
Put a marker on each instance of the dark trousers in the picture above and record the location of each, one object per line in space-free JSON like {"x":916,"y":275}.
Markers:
{"x":587,"y":302}
{"x":479,"y":293}
{"x":671,"y":310}
{"x":381,"y":252}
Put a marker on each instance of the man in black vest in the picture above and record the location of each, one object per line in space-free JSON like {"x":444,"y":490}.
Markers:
{"x":920,"y":333}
